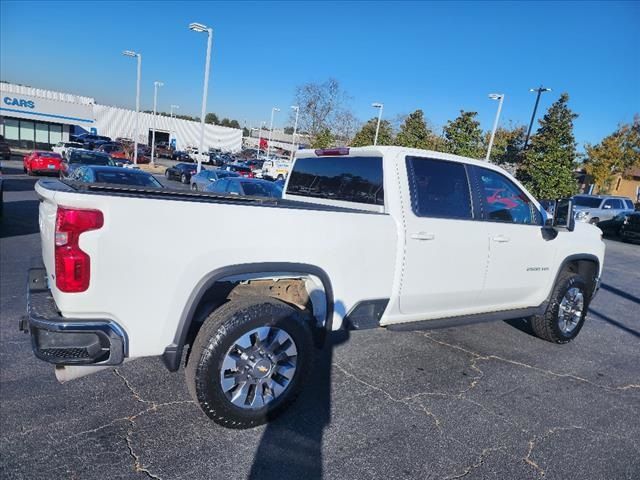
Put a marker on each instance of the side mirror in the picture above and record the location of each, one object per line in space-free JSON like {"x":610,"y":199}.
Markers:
{"x":563,"y":216}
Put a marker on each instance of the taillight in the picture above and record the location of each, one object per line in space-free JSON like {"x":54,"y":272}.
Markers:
{"x":73,"y":266}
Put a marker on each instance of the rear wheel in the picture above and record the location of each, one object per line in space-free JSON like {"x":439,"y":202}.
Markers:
{"x":249,"y":361}
{"x":194,"y":187}
{"x":167,"y":174}
{"x":566,"y":311}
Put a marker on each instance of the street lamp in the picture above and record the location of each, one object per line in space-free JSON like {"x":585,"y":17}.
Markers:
{"x":156,"y":85}
{"x":295,"y":129}
{"x":274,"y":109}
{"x":540,"y":89}
{"x":198,"y":27}
{"x":379,"y":106}
{"x":500,"y":97}
{"x":129,"y":53}
{"x":172,"y":129}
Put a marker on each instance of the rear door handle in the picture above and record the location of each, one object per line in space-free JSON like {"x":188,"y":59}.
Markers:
{"x":500,"y":239}
{"x":423,"y":236}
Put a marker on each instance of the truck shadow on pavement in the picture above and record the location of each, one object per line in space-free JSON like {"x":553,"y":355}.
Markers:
{"x":291,"y":446}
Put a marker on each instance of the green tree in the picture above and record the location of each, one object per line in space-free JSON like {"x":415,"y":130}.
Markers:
{"x":614,"y":156}
{"x":415,"y":133}
{"x":211,"y":118}
{"x":463,"y":136}
{"x":246,"y":132}
{"x":507,"y":146}
{"x":323,"y":139}
{"x":288,"y":130}
{"x":548,"y":164}
{"x":367,"y":134}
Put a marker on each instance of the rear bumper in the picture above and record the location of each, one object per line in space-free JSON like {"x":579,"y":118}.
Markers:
{"x":65,"y":341}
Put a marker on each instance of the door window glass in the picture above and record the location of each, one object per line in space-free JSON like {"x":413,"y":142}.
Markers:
{"x":504,"y":201}
{"x":613,"y":203}
{"x":439,"y":188}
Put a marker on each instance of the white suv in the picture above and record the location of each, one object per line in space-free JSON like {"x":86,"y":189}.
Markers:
{"x":596,"y":208}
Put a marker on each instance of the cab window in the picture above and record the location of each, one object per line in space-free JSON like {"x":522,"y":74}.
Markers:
{"x":439,"y":188}
{"x":503,"y":201}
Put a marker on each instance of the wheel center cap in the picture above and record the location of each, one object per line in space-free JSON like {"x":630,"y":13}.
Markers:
{"x":262,"y":368}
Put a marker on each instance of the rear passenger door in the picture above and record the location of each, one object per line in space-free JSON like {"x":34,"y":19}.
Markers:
{"x":520,"y":254}
{"x":446,"y":247}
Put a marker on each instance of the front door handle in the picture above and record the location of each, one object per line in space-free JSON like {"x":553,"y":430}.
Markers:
{"x":501,"y":239}
{"x":423,"y":236}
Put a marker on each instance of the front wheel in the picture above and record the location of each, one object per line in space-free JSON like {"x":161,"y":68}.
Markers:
{"x":166,"y":174}
{"x":249,"y":361}
{"x":566,"y":311}
{"x":194,"y":187}
{"x":184,"y":179}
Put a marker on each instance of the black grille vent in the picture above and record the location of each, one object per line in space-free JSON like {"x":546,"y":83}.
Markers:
{"x":65,"y":352}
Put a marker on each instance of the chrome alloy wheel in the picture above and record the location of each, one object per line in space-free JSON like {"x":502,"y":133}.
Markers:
{"x":570,"y":310}
{"x":258,"y":367}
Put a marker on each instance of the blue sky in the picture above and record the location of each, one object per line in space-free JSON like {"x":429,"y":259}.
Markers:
{"x":440,"y":57}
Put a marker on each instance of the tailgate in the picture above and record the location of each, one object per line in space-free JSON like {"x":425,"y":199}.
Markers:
{"x":47,"y":223}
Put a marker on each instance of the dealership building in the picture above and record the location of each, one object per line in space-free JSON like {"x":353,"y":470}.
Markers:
{"x":33,"y":118}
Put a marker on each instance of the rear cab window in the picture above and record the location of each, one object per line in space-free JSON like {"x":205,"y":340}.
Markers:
{"x":439,"y":188}
{"x":353,"y":182}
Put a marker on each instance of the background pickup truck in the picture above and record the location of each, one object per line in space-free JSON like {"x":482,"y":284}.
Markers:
{"x":364,"y":237}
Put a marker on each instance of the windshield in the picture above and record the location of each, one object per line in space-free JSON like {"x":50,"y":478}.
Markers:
{"x":89,"y":158}
{"x":591,"y":202}
{"x":262,"y":189}
{"x":127,"y":178}
{"x":48,"y":155}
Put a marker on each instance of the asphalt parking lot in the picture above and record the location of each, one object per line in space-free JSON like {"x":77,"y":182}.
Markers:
{"x":481,"y":401}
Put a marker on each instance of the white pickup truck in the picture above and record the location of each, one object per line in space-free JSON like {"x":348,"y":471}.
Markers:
{"x":363,"y":238}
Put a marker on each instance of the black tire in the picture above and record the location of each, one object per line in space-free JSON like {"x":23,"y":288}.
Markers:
{"x":184,"y":179}
{"x":218,"y":333}
{"x":166,"y":174}
{"x":594,"y":220}
{"x":547,"y":325}
{"x":194,"y":187}
{"x":280,"y":177}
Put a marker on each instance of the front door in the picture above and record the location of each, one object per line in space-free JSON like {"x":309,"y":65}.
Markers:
{"x":520,"y":253}
{"x":446,"y":248}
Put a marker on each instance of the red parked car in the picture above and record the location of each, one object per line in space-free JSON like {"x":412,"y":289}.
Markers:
{"x":42,"y":162}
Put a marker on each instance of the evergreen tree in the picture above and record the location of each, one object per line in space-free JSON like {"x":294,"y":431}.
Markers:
{"x":464,"y":136}
{"x":324,"y":139}
{"x":415,"y":133}
{"x":548,"y":165}
{"x":211,"y":118}
{"x":507,"y":146}
{"x":367,"y":134}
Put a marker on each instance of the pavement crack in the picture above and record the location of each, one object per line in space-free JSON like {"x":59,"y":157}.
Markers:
{"x":478,"y":357}
{"x":483,"y":455}
{"x":137,"y":464}
{"x":405,"y":400}
{"x":133,"y":391}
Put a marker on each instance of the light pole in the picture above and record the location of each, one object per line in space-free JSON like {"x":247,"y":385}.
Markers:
{"x":379,"y":106}
{"x":172,"y":123}
{"x":295,"y":130}
{"x":129,"y":53}
{"x":262,"y":124}
{"x":540,"y":89}
{"x":274,"y":109}
{"x":500,"y":97}
{"x":198,"y":27}
{"x":156,"y":85}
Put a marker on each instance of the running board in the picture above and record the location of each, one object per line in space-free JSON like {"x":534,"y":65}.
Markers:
{"x":465,"y":319}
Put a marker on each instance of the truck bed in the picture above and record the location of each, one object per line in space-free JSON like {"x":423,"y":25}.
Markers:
{"x":157,"y":246}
